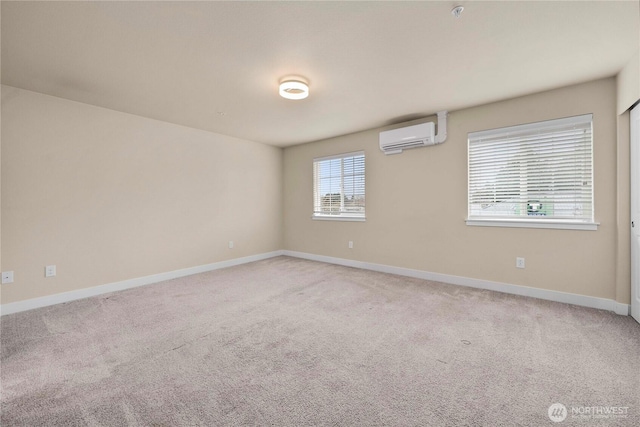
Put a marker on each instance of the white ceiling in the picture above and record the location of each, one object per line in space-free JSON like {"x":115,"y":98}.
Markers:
{"x":369,"y":63}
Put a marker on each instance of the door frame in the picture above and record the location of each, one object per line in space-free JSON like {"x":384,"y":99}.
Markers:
{"x":634,"y":140}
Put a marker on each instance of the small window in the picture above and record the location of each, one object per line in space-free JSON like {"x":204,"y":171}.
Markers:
{"x":338,"y":187}
{"x":534,"y":175}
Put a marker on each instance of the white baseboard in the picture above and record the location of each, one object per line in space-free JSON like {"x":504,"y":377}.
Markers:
{"x":582,"y":300}
{"x":30,"y":304}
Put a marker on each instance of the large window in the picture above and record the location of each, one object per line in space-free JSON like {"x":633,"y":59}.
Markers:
{"x":338,"y":187}
{"x":533,"y":175}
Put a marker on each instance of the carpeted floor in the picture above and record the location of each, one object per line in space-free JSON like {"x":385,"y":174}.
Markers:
{"x":290,"y":342}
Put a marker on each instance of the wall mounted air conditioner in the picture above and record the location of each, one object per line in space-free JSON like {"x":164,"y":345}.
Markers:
{"x":395,"y":140}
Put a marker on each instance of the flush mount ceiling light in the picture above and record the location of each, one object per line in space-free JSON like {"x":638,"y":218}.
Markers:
{"x":294,"y":88}
{"x":457,"y":11}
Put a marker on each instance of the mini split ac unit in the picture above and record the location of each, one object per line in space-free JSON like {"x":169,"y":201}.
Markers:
{"x":422,"y":135}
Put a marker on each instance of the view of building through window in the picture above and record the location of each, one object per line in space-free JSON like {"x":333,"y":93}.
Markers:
{"x":339,"y":186}
{"x":540,"y":171}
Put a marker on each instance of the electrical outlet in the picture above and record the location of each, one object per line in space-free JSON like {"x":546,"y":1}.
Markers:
{"x":520,"y":262}
{"x":230,"y":244}
{"x":50,"y":271}
{"x":350,"y":244}
{"x":7,"y":277}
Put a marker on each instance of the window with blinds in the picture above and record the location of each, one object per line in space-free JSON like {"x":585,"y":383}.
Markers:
{"x":338,"y":187}
{"x":538,"y":173}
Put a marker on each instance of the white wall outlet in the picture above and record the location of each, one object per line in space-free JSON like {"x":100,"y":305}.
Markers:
{"x":520,"y":262}
{"x":230,"y":244}
{"x":350,"y":244}
{"x":50,"y":271}
{"x":7,"y":277}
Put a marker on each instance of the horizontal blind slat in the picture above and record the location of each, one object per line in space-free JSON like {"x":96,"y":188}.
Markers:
{"x":339,"y":186}
{"x":542,"y":169}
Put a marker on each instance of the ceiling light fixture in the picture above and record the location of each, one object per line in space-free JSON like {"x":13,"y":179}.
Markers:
{"x":294,"y":88}
{"x":457,"y":11}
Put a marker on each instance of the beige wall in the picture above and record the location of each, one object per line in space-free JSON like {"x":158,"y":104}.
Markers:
{"x":108,"y":196}
{"x":629,"y":84}
{"x":416,"y":203}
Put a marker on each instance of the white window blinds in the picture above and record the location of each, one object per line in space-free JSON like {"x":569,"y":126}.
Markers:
{"x":535,"y":172}
{"x":338,"y":186}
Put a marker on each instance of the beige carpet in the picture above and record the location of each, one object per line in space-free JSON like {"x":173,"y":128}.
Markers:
{"x":289,"y":342}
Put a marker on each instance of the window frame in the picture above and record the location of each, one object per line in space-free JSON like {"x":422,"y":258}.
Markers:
{"x":341,"y":216}
{"x":533,"y":221}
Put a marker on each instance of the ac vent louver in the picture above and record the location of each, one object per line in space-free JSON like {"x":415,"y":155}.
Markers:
{"x":396,"y":140}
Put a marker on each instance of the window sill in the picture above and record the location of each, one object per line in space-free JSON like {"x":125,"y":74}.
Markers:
{"x":338,"y":218}
{"x":524,"y":223}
